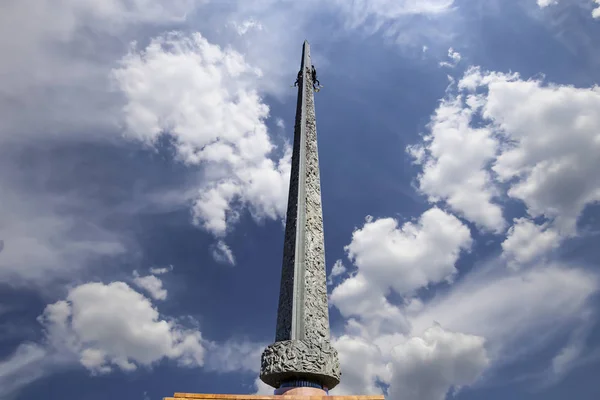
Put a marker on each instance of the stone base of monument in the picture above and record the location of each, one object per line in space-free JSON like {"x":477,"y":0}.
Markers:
{"x":293,"y":394}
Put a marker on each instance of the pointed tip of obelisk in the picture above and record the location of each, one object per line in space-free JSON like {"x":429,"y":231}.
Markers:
{"x":305,"y":51}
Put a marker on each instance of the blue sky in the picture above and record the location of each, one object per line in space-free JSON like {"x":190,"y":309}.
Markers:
{"x":144,"y":166}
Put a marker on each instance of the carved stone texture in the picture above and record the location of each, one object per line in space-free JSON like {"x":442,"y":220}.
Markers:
{"x":285,"y":310}
{"x":302,"y":349}
{"x":316,"y":311}
{"x":298,"y":359}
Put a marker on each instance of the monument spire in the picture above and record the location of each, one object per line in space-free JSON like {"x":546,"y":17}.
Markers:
{"x":302,"y":355}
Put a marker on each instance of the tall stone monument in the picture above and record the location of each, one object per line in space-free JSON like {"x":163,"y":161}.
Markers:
{"x":302,"y":355}
{"x":301,"y":364}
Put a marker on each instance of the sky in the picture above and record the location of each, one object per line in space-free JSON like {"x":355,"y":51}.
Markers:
{"x":145,"y":150}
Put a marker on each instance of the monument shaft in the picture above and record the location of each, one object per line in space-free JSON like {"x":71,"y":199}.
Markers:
{"x":302,"y":353}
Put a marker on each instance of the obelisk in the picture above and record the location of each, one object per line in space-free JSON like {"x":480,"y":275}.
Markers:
{"x":301,"y":364}
{"x":302,"y":355}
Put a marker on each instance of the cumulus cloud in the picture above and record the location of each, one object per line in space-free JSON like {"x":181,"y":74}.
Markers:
{"x":552,"y":134}
{"x":477,"y":320}
{"x":494,"y":134}
{"x":113,"y":326}
{"x":540,"y":140}
{"x":454,"y":157}
{"x":357,"y":297}
{"x":427,"y":367}
{"x":356,"y":351}
{"x":403,"y":259}
{"x":526,"y":241}
{"x":170,"y":88}
{"x":387,"y":254}
{"x":150,"y":284}
{"x":337,"y":270}
{"x":204,"y":98}
{"x":56,"y":60}
{"x":424,"y":366}
{"x":70,"y":46}
{"x":491,"y":317}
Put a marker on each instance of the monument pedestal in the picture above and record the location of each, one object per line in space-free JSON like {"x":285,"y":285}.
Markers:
{"x":295,"y":394}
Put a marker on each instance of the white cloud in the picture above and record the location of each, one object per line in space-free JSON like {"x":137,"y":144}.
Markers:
{"x":412,"y":256}
{"x":454,"y":57}
{"x":222,"y":253}
{"x":362,"y":363}
{"x":407,"y":23}
{"x":337,"y":270}
{"x":246,"y":26}
{"x":405,"y":259}
{"x":65,"y":49}
{"x":454,"y":156}
{"x":526,"y":242}
{"x":547,"y":155}
{"x":262,"y":388}
{"x":56,"y":59}
{"x":575,"y":353}
{"x":24,"y":366}
{"x":161,"y":271}
{"x":427,"y":367}
{"x":546,"y":3}
{"x":229,"y":187}
{"x":357,"y":297}
{"x":359,"y":12}
{"x":150,"y":284}
{"x":537,"y":141}
{"x":234,"y":355}
{"x":402,"y":259}
{"x":550,"y":157}
{"x":112,"y":325}
{"x":491,"y":317}
{"x":520,"y":311}
{"x":205,"y":98}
